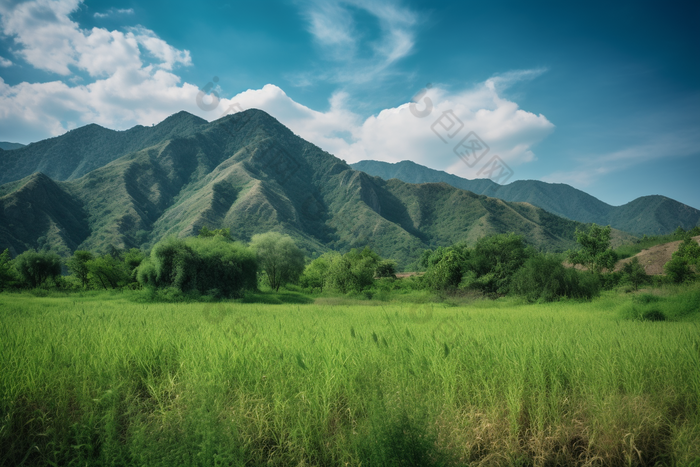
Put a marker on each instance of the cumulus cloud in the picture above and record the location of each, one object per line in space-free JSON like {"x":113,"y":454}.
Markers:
{"x":49,"y":40}
{"x":132,"y":82}
{"x":397,"y":134}
{"x":5,"y":62}
{"x":132,"y":74}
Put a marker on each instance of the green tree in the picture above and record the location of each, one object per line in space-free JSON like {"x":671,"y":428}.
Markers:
{"x":634,"y":273}
{"x":107,"y":271}
{"x":677,"y":269}
{"x":35,"y":267}
{"x":445,"y":267}
{"x":279,"y":257}
{"x":683,"y":261}
{"x":78,"y":265}
{"x":493,"y":262}
{"x":206,"y":265}
{"x":132,"y":260}
{"x":595,"y":252}
{"x":8,"y":274}
{"x":689,"y":249}
{"x":353,"y":271}
{"x":316,"y":272}
{"x":386,"y":268}
{"x":544,"y":278}
{"x":204,"y":232}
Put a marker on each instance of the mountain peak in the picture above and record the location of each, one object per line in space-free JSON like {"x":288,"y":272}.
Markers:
{"x":182,"y":117}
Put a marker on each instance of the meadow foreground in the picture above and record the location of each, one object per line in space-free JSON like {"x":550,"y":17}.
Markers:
{"x":102,"y":380}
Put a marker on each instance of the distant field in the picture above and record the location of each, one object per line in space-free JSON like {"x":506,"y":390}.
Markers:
{"x":101,"y":380}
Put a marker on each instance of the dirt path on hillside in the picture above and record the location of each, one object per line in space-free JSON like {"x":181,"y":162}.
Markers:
{"x":654,"y":258}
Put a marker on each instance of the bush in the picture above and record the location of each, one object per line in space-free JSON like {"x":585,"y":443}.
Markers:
{"x":678,"y":270}
{"x":544,"y":278}
{"x":202,"y":265}
{"x":494,"y":261}
{"x":35,"y":268}
{"x":280,"y":259}
{"x":633,"y":273}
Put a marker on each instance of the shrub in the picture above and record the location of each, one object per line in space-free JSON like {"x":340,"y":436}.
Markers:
{"x":36,"y":267}
{"x":678,"y":269}
{"x":278,"y":256}
{"x":202,"y":265}
{"x":634,"y":273}
{"x":78,"y":265}
{"x":544,"y":278}
{"x":494,"y":261}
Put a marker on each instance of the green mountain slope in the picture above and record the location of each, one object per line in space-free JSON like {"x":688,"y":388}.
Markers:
{"x":6,"y":146}
{"x":651,"y":215}
{"x":79,"y":151}
{"x":249,"y":173}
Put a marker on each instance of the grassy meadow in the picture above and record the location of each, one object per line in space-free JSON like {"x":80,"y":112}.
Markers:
{"x":100,"y":379}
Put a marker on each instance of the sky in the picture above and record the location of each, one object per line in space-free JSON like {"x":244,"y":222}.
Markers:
{"x":603,"y":96}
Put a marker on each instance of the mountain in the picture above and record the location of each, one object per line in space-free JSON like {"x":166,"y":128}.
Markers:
{"x":79,"y":151}
{"x":5,"y":146}
{"x":249,"y":173}
{"x":650,"y":215}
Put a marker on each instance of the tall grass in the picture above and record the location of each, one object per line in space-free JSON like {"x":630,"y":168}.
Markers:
{"x":101,"y":380}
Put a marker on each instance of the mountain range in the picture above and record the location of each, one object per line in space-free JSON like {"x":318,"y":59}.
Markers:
{"x":94,"y":187}
{"x":648,"y":215}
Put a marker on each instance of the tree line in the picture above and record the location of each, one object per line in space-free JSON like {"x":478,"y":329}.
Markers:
{"x":216,"y":265}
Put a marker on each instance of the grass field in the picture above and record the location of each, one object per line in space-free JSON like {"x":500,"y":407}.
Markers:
{"x":104,"y":380}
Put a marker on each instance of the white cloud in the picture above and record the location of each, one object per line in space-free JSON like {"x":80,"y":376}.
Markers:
{"x":115,"y":11}
{"x":333,"y":26}
{"x":5,"y":62}
{"x":132,"y":82}
{"x":49,"y":40}
{"x":396,"y":134}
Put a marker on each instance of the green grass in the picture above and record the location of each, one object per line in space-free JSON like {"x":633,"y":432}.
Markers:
{"x":101,"y":380}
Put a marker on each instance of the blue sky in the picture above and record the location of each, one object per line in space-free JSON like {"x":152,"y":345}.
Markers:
{"x":604,"y":96}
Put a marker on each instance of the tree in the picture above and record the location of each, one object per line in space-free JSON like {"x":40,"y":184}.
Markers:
{"x":677,"y":269}
{"x":107,"y":271}
{"x":689,"y":249}
{"x":206,"y":265}
{"x":595,"y":252}
{"x":36,"y":267}
{"x":445,"y":267}
{"x":316,"y":272}
{"x":493,"y":262}
{"x":78,"y":265}
{"x":132,"y":260}
{"x":634,"y":273}
{"x":8,"y":275}
{"x":204,"y":232}
{"x":544,"y":278}
{"x":279,"y":257}
{"x":353,"y":271}
{"x":386,"y":268}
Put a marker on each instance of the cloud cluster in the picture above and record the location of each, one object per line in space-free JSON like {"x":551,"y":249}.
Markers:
{"x":397,"y":134}
{"x":132,"y":82}
{"x":130,"y":73}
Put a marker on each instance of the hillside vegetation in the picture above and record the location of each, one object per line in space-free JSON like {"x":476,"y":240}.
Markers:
{"x":648,"y":215}
{"x":250,"y":174}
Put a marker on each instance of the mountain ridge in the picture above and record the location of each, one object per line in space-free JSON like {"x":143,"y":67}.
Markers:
{"x":646,"y":215}
{"x":250,"y":173}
